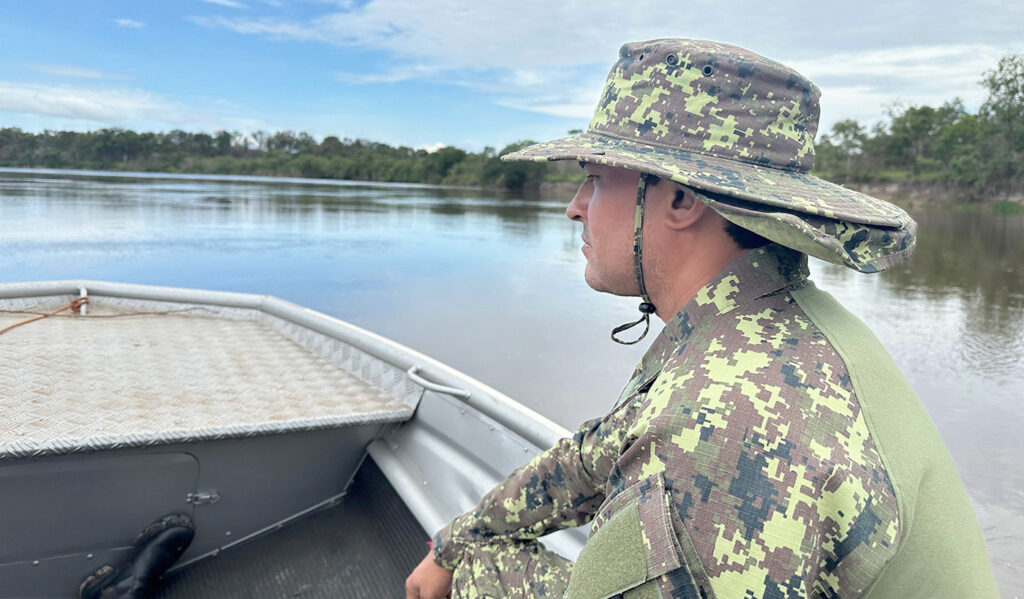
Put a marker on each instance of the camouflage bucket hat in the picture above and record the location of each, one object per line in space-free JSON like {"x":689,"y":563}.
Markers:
{"x":740,"y":127}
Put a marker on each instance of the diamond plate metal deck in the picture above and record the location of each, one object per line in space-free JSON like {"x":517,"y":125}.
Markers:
{"x":136,"y":373}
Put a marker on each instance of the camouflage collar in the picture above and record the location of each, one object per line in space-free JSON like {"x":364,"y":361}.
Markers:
{"x":759,"y":272}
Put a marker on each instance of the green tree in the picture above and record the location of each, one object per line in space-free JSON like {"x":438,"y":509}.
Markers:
{"x":513,"y":175}
{"x":842,"y":148}
{"x":439,"y":163}
{"x":1003,"y":113}
{"x":331,"y":146}
{"x":222,"y":142}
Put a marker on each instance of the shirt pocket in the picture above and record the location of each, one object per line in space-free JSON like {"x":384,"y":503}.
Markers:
{"x":634,"y":545}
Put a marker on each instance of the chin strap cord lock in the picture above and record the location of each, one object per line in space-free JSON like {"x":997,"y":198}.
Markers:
{"x":646,"y":307}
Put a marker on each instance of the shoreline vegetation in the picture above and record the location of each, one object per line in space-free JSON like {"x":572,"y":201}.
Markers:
{"x":968,"y":157}
{"x":963,"y":157}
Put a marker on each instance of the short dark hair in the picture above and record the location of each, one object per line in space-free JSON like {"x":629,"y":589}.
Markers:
{"x":745,"y":238}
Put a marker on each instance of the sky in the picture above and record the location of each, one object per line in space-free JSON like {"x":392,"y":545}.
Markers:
{"x":468,"y":73}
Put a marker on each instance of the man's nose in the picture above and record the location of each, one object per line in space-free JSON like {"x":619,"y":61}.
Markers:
{"x":577,"y":208}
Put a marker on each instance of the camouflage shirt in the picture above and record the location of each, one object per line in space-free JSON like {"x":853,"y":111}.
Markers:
{"x":736,"y":463}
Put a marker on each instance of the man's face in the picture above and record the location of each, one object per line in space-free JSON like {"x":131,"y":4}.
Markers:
{"x":606,"y":205}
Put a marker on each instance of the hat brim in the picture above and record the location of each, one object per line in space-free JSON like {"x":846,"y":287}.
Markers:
{"x":865,"y":248}
{"x":790,"y":190}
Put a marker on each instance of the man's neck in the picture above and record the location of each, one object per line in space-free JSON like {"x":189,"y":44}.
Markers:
{"x":675,"y":292}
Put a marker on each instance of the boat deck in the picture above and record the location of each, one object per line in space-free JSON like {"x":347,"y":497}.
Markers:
{"x":137,"y":373}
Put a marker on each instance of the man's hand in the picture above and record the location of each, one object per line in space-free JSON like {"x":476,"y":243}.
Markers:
{"x":428,"y":581}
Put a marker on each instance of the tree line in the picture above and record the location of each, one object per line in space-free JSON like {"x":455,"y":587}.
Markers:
{"x":982,"y":151}
{"x":284,"y":154}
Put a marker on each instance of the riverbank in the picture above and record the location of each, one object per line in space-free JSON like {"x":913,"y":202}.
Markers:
{"x":881,"y":171}
{"x":909,"y":194}
{"x":913,"y":193}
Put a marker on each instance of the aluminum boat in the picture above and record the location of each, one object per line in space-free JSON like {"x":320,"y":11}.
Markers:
{"x":312,"y":457}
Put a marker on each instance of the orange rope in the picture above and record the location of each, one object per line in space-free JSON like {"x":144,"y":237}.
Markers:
{"x":74,"y":305}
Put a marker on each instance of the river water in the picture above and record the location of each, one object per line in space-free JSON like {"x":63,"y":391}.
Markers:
{"x":493,"y":286}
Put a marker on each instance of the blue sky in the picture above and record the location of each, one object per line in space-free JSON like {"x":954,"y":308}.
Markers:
{"x":465,"y":73}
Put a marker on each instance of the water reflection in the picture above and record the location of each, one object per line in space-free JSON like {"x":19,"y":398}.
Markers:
{"x":974,"y":253}
{"x":974,"y":260}
{"x":493,"y":286}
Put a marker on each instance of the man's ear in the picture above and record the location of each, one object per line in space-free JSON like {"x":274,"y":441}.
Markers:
{"x":685,"y":210}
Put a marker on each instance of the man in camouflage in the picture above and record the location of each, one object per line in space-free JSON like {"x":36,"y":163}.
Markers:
{"x":766,"y":445}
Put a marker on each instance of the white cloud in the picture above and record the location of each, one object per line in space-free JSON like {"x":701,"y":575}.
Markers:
{"x":129,"y":23}
{"x":227,"y":3}
{"x":404,"y":73}
{"x":580,"y":110}
{"x":430,"y":149}
{"x":272,"y":28}
{"x":860,"y":85}
{"x":108,"y":106}
{"x":63,"y":70}
{"x":551,"y":58}
{"x":34,"y":107}
{"x":459,"y":34}
{"x":570,"y":92}
{"x":927,"y":63}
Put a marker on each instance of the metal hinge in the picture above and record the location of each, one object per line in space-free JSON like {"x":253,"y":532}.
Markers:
{"x":202,"y":497}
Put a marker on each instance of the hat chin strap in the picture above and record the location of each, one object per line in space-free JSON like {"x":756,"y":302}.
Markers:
{"x":646,"y":307}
